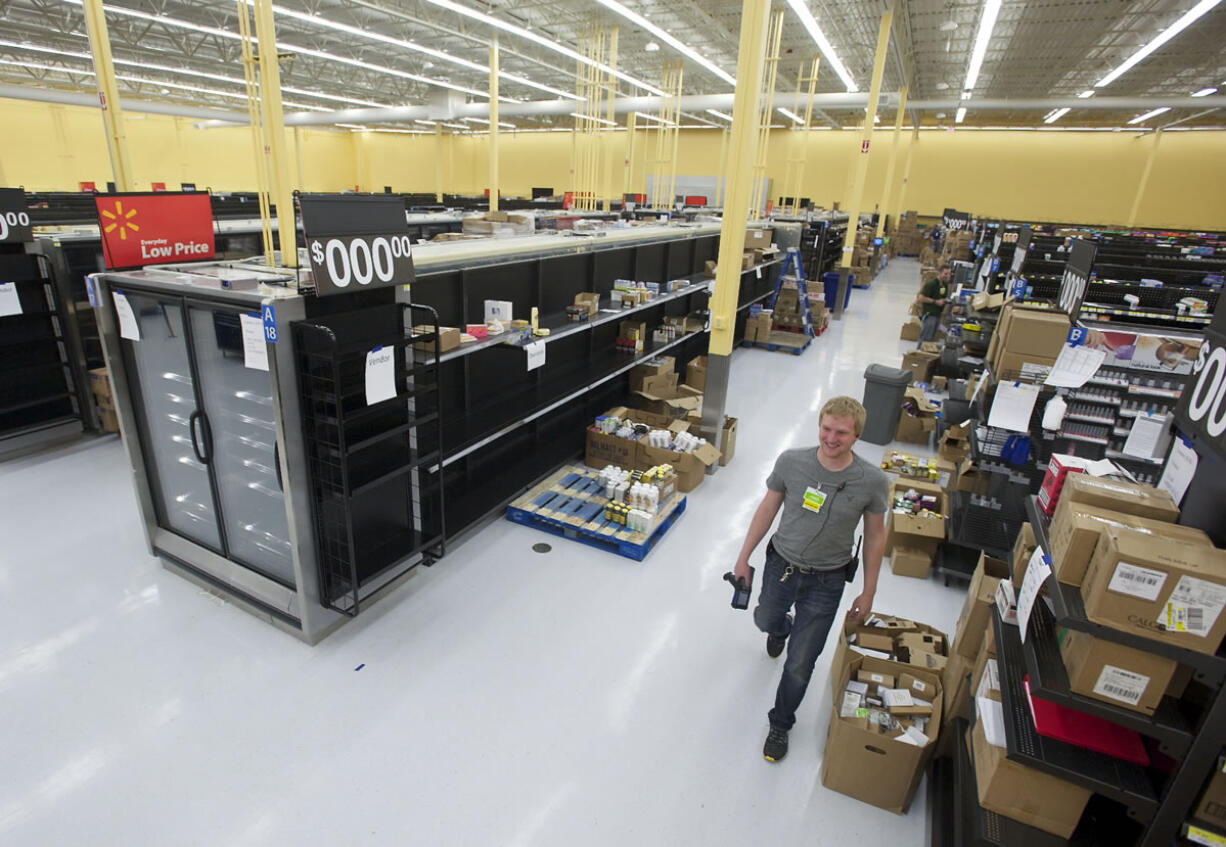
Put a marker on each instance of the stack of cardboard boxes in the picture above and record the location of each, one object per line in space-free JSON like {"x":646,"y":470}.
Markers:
{"x":918,"y":419}
{"x":788,"y":313}
{"x":499,"y":223}
{"x":758,"y":247}
{"x":1026,"y":341}
{"x":655,"y":388}
{"x":886,"y":711}
{"x":100,"y":385}
{"x":758,"y":324}
{"x":957,"y":247}
{"x":866,"y":257}
{"x":908,"y":239}
{"x":635,"y":453}
{"x":915,"y":525}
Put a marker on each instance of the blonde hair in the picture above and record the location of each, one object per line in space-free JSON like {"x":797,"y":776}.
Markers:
{"x":845,"y":407}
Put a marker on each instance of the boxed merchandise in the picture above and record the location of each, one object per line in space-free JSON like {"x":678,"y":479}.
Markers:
{"x":1023,"y":548}
{"x":696,"y":373}
{"x":911,"y":330}
{"x":690,"y":467}
{"x":916,"y":522}
{"x":747,"y":260}
{"x":1158,"y":588}
{"x":448,"y":338}
{"x":1021,"y":793}
{"x":984,"y":302}
{"x":642,"y":374}
{"x":955,"y":682}
{"x":1075,"y":531}
{"x":108,"y":420}
{"x":608,"y":449}
{"x":100,"y":385}
{"x":915,"y":429}
{"x":758,"y":239}
{"x":1128,"y":497}
{"x":498,"y":310}
{"x":1212,"y":806}
{"x":669,"y":399}
{"x":882,"y":764}
{"x":589,"y":299}
{"x":923,"y":468}
{"x":909,"y":561}
{"x":709,"y":268}
{"x":1113,"y":673}
{"x":727,"y":441}
{"x":976,"y":615}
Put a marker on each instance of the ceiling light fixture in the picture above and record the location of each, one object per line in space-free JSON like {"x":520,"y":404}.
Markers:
{"x":960,"y":114}
{"x":655,"y":118}
{"x":651,"y":47}
{"x":681,"y":47}
{"x":987,"y":22}
{"x":1089,"y":92}
{"x":1055,"y":115}
{"x":1205,"y":92}
{"x":453,"y":126}
{"x":815,"y":32}
{"x":719,"y":114}
{"x":942,"y":86}
{"x":1186,"y":20}
{"x":584,"y":117}
{"x":1140,"y":119}
{"x":475,"y":15}
{"x":788,"y":113}
{"x":487,"y":123}
{"x":949,"y":26}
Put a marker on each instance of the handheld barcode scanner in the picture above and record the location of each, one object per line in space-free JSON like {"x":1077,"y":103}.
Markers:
{"x":740,"y":591}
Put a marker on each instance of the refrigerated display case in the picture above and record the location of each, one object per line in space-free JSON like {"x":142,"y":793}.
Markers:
{"x":224,"y":414}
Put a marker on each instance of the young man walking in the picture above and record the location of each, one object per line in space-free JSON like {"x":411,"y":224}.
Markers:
{"x":824,"y":491}
{"x":933,"y":297}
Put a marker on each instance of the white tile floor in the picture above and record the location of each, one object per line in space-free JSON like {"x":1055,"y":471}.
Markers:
{"x":506,"y":698}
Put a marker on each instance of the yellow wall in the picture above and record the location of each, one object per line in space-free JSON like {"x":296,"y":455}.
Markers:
{"x":1057,"y":176}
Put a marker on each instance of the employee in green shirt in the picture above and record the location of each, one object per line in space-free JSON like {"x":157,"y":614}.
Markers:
{"x":932,"y":298}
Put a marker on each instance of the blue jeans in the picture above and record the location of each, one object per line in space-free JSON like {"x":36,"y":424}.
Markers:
{"x":928,"y":331}
{"x":816,"y":597}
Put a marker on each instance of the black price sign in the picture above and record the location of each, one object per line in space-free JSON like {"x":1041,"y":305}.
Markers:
{"x":356,"y":242}
{"x":1076,"y":277}
{"x":14,"y":217}
{"x":953,"y":219}
{"x":1019,"y":252}
{"x":1201,"y":410}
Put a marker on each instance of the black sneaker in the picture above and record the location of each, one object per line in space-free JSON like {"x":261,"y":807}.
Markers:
{"x":776,"y":746}
{"x":774,"y":643}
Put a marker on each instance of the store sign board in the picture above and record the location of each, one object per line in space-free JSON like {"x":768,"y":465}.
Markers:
{"x":150,"y":229}
{"x":14,"y":217}
{"x":357,"y":242}
{"x":953,"y":219}
{"x":1076,"y":277}
{"x":1201,"y":411}
{"x":1019,"y":253}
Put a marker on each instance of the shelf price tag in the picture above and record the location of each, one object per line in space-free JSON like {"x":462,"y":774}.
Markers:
{"x":255,"y":350}
{"x":357,"y":242}
{"x":380,"y":375}
{"x":128,"y":326}
{"x":1037,"y":573}
{"x":536,"y":354}
{"x":14,"y":217}
{"x":10,"y":302}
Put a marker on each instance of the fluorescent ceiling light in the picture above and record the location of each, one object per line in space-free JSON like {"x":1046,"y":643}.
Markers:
{"x":1205,"y":92}
{"x":1089,"y":92}
{"x":487,"y":123}
{"x":453,"y":126}
{"x":655,"y":118}
{"x":960,"y":114}
{"x":1143,"y":118}
{"x":682,"y":48}
{"x":584,"y":117}
{"x":1163,"y":37}
{"x":788,"y":113}
{"x":815,"y":32}
{"x":719,"y":114}
{"x":987,"y":22}
{"x":419,"y":48}
{"x":527,"y":35}
{"x":1055,"y":115}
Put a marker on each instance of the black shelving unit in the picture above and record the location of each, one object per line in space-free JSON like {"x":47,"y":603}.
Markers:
{"x":377,"y":494}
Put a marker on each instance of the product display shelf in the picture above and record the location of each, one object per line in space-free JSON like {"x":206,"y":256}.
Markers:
{"x":1048,"y":680}
{"x":1069,"y":611}
{"x":1199,"y":832}
{"x":1112,"y":778}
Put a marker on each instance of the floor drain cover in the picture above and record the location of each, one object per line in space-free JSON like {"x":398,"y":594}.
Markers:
{"x":541,"y":548}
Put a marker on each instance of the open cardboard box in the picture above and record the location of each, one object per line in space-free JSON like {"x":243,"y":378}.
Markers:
{"x":915,"y":531}
{"x":602,"y":449}
{"x":669,"y":399}
{"x":976,"y":612}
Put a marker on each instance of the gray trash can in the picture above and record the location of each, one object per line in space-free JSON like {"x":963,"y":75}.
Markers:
{"x":884,"y":388}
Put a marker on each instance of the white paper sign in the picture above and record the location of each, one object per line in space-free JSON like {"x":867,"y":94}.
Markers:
{"x":536,"y":354}
{"x":983,"y":380}
{"x":128,"y":327}
{"x":1180,"y":467}
{"x":758,"y":271}
{"x":1146,"y":436}
{"x":1137,"y":581}
{"x":255,"y":349}
{"x":10,"y":303}
{"x":990,"y":681}
{"x":1037,"y":573}
{"x":1075,"y":366}
{"x":1122,"y":685}
{"x":1013,"y":406}
{"x":380,"y":375}
{"x":896,"y":697}
{"x":992,"y":716}
{"x":1194,"y":606}
{"x":914,"y":736}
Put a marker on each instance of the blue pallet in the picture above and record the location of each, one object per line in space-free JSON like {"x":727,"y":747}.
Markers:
{"x":630,"y":550}
{"x":787,"y":348}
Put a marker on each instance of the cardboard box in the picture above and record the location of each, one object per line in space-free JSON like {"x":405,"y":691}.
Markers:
{"x":912,"y":561}
{"x":448,"y":338}
{"x":727,"y":442}
{"x":911,"y":330}
{"x":1158,"y":588}
{"x":696,"y":373}
{"x":1115,"y":674}
{"x":1012,"y":365}
{"x":985,"y":302}
{"x":1212,"y":806}
{"x":1023,"y":794}
{"x":747,"y":260}
{"x":108,"y":420}
{"x":602,"y":449}
{"x":1076,"y":528}
{"x":913,"y":531}
{"x":757,"y":238}
{"x":922,"y":468}
{"x":861,"y":763}
{"x":661,"y":366}
{"x":632,"y":329}
{"x":876,"y":677}
{"x":955,"y":683}
{"x":671,"y":400}
{"x":1023,"y":548}
{"x":1059,"y":466}
{"x":690,"y":467}
{"x":1130,"y":498}
{"x":498,"y":310}
{"x":915,"y":429}
{"x":591,"y":300}
{"x":976,"y":615}
{"x":924,"y":689}
{"x":920,"y":363}
{"x":869,"y":640}
{"x":709,"y":268}
{"x":1035,"y":333}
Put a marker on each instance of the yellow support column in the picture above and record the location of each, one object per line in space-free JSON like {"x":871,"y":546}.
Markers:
{"x":887,"y":193}
{"x":438,"y":163}
{"x":494,"y":125}
{"x":755,"y":15}
{"x":610,"y":138}
{"x":628,"y":174}
{"x":108,"y":95}
{"x":1149,"y":166}
{"x":866,"y":135}
{"x":897,"y":209}
{"x":274,"y":133}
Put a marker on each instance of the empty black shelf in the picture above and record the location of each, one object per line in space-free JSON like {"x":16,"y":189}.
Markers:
{"x":1049,"y":680}
{"x":1113,"y":778}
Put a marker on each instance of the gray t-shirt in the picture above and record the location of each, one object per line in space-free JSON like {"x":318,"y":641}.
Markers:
{"x":821,"y":508}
